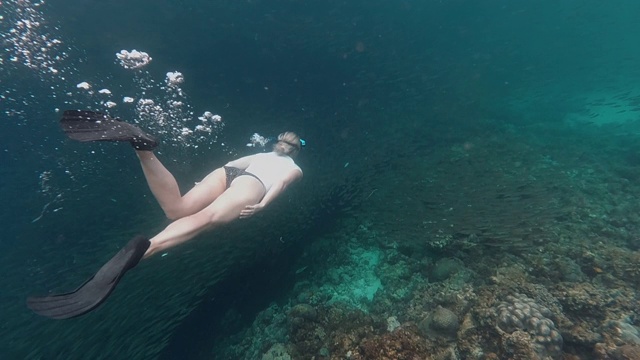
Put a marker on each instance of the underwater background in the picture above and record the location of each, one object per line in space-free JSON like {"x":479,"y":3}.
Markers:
{"x":471,"y":178}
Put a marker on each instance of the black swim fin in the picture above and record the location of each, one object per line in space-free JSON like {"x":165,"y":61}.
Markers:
{"x":95,"y":290}
{"x":85,"y":125}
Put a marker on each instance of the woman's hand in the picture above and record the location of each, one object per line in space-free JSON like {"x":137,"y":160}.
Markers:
{"x":250,"y":210}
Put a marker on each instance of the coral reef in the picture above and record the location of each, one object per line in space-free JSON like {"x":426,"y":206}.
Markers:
{"x":402,"y":344}
{"x":519,"y":313}
{"x":547,"y":270}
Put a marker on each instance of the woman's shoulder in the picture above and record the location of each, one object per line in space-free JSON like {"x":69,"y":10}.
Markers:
{"x":295,"y":166}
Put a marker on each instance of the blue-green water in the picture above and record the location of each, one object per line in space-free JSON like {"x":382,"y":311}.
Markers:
{"x":477,"y":157}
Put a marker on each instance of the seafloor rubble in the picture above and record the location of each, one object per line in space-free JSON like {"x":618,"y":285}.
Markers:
{"x":505,"y":248}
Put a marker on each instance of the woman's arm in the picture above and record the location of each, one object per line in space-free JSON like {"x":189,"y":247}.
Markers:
{"x":275,"y":191}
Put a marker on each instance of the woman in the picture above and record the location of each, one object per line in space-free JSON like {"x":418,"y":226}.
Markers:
{"x":240,"y":189}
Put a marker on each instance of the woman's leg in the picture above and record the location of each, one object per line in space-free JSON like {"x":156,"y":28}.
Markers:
{"x":226,"y":208}
{"x":166,"y":191}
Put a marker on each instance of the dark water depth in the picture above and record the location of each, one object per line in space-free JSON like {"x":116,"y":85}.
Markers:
{"x":464,"y":159}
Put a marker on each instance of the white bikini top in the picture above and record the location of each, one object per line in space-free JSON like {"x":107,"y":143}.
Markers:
{"x":271,"y":168}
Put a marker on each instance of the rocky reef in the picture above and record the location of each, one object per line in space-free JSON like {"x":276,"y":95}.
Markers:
{"x":537,"y":260}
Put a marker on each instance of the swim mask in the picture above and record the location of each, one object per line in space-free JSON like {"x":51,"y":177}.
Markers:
{"x":299,"y":146}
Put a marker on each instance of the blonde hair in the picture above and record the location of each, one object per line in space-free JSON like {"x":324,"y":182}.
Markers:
{"x":288,"y":144}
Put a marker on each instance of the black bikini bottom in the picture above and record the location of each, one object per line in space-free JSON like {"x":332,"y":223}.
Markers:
{"x":232,"y":173}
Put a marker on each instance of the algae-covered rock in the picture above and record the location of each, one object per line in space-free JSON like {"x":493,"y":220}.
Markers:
{"x":277,"y":352}
{"x":445,"y":268}
{"x":440,"y":322}
{"x":304,"y":311}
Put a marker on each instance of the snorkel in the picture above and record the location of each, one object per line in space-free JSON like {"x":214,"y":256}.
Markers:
{"x":261,"y":141}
